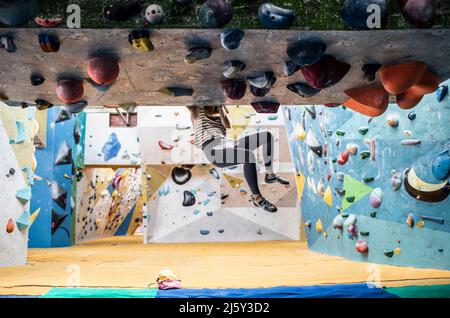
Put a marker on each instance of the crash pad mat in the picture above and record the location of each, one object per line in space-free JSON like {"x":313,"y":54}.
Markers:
{"x":431,"y":291}
{"x":100,"y":293}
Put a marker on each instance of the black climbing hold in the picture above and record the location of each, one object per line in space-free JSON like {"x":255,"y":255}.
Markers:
{"x":204,"y":232}
{"x":36,"y":79}
{"x":57,"y":220}
{"x":263,"y":81}
{"x":189,"y":198}
{"x":42,"y":104}
{"x":231,"y":38}
{"x":356,"y":13}
{"x":214,"y":173}
{"x":77,"y":107}
{"x":303,"y":89}
{"x":175,"y":91}
{"x":259,"y":92}
{"x":412,"y":115}
{"x":290,"y":68}
{"x":122,"y":10}
{"x":215,"y":13}
{"x":59,"y":194}
{"x":234,"y":68}
{"x":7,"y":42}
{"x":17,"y":12}
{"x":63,"y":114}
{"x":370,"y":70}
{"x":181,"y":175}
{"x":64,"y":156}
{"x":307,"y":51}
{"x":49,"y":42}
{"x":273,"y":17}
{"x":389,"y":253}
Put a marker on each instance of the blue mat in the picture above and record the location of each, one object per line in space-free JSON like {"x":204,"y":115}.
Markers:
{"x":324,"y":291}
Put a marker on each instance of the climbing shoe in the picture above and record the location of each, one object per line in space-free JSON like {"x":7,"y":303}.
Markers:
{"x":266,"y":205}
{"x":274,"y":179}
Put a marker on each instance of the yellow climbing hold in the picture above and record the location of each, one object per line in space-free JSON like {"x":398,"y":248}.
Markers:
{"x":397,"y":250}
{"x":34,"y":215}
{"x":234,"y":182}
{"x":240,"y":117}
{"x":114,"y":194}
{"x":325,"y":235}
{"x":420,"y":224}
{"x":328,"y":196}
{"x":319,"y":226}
{"x":299,"y":132}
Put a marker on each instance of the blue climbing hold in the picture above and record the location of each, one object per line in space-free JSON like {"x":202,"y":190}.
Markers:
{"x":273,"y":17}
{"x":441,"y":165}
{"x":441,"y":93}
{"x":111,"y":148}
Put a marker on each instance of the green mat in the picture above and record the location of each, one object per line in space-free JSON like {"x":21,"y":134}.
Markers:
{"x":100,"y":293}
{"x":433,"y":291}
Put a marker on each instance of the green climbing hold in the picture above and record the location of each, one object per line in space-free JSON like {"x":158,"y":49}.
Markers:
{"x":344,"y":215}
{"x":363,"y":130}
{"x":368,"y":180}
{"x":389,"y":253}
{"x":365,"y":154}
{"x":373,"y":214}
{"x":334,"y":160}
{"x":350,"y":199}
{"x":340,"y":133}
{"x":364,"y":233}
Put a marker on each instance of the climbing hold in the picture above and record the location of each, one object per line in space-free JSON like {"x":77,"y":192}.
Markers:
{"x":189,"y":198}
{"x":410,"y":220}
{"x":364,"y":233}
{"x":441,"y":93}
{"x":49,"y":22}
{"x":397,"y":250}
{"x":325,"y":73}
{"x":36,"y":79}
{"x":362,"y":247}
{"x":122,"y":10}
{"x":14,"y":13}
{"x":215,"y":13}
{"x":164,"y":146}
{"x":299,"y":132}
{"x":321,"y":187}
{"x":59,"y":194}
{"x":352,"y":148}
{"x":57,"y":220}
{"x":350,"y":199}
{"x":370,"y":70}
{"x":181,"y":175}
{"x":314,"y":144}
{"x":338,"y":222}
{"x":352,"y":231}
{"x":140,"y":39}
{"x":23,"y":195}
{"x":204,"y":232}
{"x":70,"y":90}
{"x":343,"y":157}
{"x":410,"y":142}
{"x":214,"y":173}
{"x":23,"y":221}
{"x":196,"y":54}
{"x":364,"y":154}
{"x":231,"y":38}
{"x":64,"y":156}
{"x":373,"y":214}
{"x":356,"y":13}
{"x":42,"y":104}
{"x":77,"y":107}
{"x":154,"y":14}
{"x":104,"y":69}
{"x":303,"y":89}
{"x":266,"y":107}
{"x":233,"y":88}
{"x":259,"y":92}
{"x":49,"y":42}
{"x":176,"y":91}
{"x":319,"y":227}
{"x":389,"y":253}
{"x":392,"y":120}
{"x":328,"y":196}
{"x":432,"y":218}
{"x":273,"y":17}
{"x":306,"y":52}
{"x":376,"y":197}
{"x":440,"y":165}
{"x":350,"y":220}
{"x":234,"y":68}
{"x":10,"y":226}
{"x":370,"y":101}
{"x":421,"y":13}
{"x":311,"y":110}
{"x":111,"y":148}
{"x":363,"y":130}
{"x":412,"y":115}
{"x":428,"y":83}
{"x":396,"y":181}
{"x":263,"y":81}
{"x":398,"y":78}
{"x":7,"y":42}
{"x":290,"y":68}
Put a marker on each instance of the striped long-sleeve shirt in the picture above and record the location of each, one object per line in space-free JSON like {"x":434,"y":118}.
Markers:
{"x":208,"y":127}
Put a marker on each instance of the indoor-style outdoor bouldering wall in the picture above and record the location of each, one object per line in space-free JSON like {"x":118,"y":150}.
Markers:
{"x":188,"y":200}
{"x":376,"y":189}
{"x":53,"y":194}
{"x":17,"y":130}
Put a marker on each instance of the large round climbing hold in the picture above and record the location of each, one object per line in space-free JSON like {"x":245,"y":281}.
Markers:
{"x":370,"y":101}
{"x":181,"y":175}
{"x":231,"y":39}
{"x":215,"y":13}
{"x":273,"y":17}
{"x":421,"y":13}
{"x":398,"y":78}
{"x":326,"y":72}
{"x":440,"y":166}
{"x":70,"y":90}
{"x":362,"y":247}
{"x":103,"y":70}
{"x":365,"y":14}
{"x":17,"y":12}
{"x":306,"y":52}
{"x":122,"y":10}
{"x":154,"y":14}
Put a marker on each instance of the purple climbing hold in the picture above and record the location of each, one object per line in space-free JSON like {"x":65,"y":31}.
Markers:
{"x":111,"y":148}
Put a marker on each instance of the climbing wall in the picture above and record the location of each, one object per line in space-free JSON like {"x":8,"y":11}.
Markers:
{"x":108,"y":200}
{"x":52,"y":193}
{"x":17,"y":130}
{"x":375,"y":189}
{"x":188,"y":200}
{"x":112,"y":146}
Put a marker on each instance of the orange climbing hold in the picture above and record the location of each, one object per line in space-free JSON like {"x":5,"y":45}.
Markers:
{"x":398,"y":78}
{"x":10,"y":226}
{"x":370,"y":101}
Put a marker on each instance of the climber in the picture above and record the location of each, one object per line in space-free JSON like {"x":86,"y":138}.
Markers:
{"x":210,"y":124}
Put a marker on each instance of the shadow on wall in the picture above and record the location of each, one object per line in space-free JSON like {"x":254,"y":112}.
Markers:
{"x":376,"y":189}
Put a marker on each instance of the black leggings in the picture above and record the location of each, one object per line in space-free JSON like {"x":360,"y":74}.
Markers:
{"x":242,"y":152}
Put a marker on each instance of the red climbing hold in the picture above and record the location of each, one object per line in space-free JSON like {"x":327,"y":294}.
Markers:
{"x":103,"y":70}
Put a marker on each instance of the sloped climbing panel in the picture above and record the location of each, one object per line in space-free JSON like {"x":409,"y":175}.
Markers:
{"x":144,"y":74}
{"x":389,"y":181}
